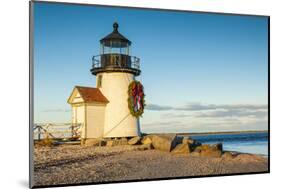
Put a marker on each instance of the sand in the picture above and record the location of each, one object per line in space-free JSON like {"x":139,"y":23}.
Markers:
{"x":72,"y":164}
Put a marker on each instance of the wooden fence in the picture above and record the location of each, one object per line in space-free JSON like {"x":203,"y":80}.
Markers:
{"x":56,"y":131}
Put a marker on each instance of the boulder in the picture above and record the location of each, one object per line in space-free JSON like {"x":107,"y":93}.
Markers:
{"x":179,"y":139}
{"x":192,"y":143}
{"x":144,"y":147}
{"x":210,"y":147}
{"x":109,"y":143}
{"x":102,"y":143}
{"x":146,"y":139}
{"x":206,"y":150}
{"x":134,"y":140}
{"x":202,"y":147}
{"x":227,"y":155}
{"x":194,"y":146}
{"x":196,"y":143}
{"x":218,"y":146}
{"x":197,"y":149}
{"x":123,"y":141}
{"x":249,"y":158}
{"x":187,"y":141}
{"x":82,"y":141}
{"x":94,"y":142}
{"x":117,"y":142}
{"x":181,"y":149}
{"x":195,"y":154}
{"x":165,"y":142}
{"x":211,"y":153}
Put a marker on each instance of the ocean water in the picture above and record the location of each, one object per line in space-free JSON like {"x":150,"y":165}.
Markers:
{"x":254,"y":143}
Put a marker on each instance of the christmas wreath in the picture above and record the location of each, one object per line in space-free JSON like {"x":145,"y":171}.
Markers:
{"x":136,"y":101}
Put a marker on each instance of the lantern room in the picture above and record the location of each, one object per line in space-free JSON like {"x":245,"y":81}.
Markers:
{"x":115,"y":55}
{"x":115,"y":43}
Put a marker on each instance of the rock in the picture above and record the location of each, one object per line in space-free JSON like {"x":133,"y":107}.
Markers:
{"x":211,"y":153}
{"x":102,"y":143}
{"x":203,"y":147}
{"x":179,"y":139}
{"x":94,"y":142}
{"x":47,"y":142}
{"x":165,"y":142}
{"x":147,"y":146}
{"x":146,"y":140}
{"x":249,"y":158}
{"x":123,"y":141}
{"x":109,"y":143}
{"x":197,"y":149}
{"x":82,"y":141}
{"x":210,"y":147}
{"x":217,"y":146}
{"x":192,"y":143}
{"x":144,"y":147}
{"x":181,"y":149}
{"x":209,"y":150}
{"x":227,"y":155}
{"x":194,"y":146}
{"x":195,"y":154}
{"x":187,"y":141}
{"x":134,"y":140}
{"x":117,"y":142}
{"x":196,"y":143}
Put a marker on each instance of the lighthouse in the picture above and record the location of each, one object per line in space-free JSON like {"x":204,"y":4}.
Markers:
{"x":109,"y":109}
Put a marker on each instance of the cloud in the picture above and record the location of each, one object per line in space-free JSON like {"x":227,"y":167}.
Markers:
{"x":198,"y":117}
{"x":158,"y":107}
{"x":245,"y":112}
{"x":200,"y":107}
{"x":196,"y":107}
{"x":175,"y":115}
{"x":161,"y":123}
{"x":232,"y":113}
{"x":56,"y":110}
{"x":204,"y":125}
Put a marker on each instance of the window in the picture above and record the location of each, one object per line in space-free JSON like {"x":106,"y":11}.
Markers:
{"x":99,"y":82}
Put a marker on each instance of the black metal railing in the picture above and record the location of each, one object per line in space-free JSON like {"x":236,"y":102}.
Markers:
{"x":116,"y":61}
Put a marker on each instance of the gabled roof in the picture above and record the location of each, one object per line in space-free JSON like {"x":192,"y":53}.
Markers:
{"x":115,"y":39}
{"x":88,"y":94}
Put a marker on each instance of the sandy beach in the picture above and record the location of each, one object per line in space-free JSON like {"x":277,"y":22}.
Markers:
{"x":70,"y":164}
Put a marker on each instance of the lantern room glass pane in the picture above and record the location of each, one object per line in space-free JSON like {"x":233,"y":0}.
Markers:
{"x":114,"y":50}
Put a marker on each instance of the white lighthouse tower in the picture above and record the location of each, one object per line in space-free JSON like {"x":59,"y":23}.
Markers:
{"x":115,"y":69}
{"x":111,"y":109}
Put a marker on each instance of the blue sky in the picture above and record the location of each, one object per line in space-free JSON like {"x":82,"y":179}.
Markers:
{"x":201,"y":72}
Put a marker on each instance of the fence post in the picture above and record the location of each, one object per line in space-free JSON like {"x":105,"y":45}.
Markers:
{"x":39,"y":133}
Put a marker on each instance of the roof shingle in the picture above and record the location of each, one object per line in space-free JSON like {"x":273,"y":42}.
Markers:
{"x":91,"y":94}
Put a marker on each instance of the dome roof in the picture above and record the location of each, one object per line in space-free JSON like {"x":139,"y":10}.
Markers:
{"x":115,"y":39}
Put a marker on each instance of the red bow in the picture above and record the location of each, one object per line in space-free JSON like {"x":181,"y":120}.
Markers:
{"x":137,"y":92}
